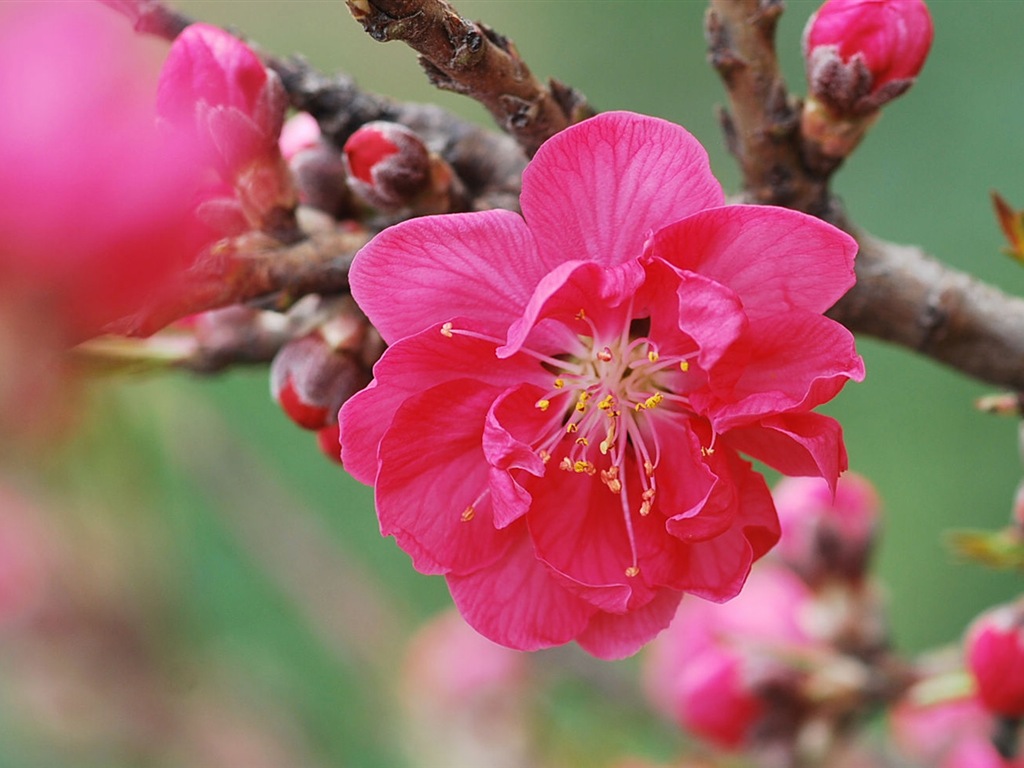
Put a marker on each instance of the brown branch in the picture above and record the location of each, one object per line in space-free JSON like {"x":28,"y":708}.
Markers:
{"x":263,"y":271}
{"x":908,"y":298}
{"x":470,"y":58}
{"x":762,"y":127}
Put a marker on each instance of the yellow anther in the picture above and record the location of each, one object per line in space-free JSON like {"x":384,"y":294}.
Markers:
{"x":639,"y":407}
{"x":584,"y":467}
{"x":684,"y":366}
{"x":649,"y":469}
{"x":605,"y":355}
{"x":605,"y":446}
{"x":607,"y":403}
{"x":559,"y":383}
{"x":468,"y":513}
{"x":581,"y":403}
{"x":610,"y":477}
{"x":645,"y":509}
{"x":571,"y":428}
{"x":542,"y":404}
{"x":446,"y":330}
{"x":566,"y":464}
{"x":647,"y":495}
{"x":652,"y":356}
{"x":582,"y":441}
{"x":581,"y":315}
{"x":706,"y":451}
{"x":653,"y":400}
{"x":544,"y":455}
{"x":632,"y":571}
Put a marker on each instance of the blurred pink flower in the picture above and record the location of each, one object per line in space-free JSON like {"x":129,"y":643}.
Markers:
{"x":826,"y":533}
{"x":708,"y":671}
{"x":928,"y":731}
{"x":94,"y":204}
{"x":995,"y":656}
{"x":557,"y":424}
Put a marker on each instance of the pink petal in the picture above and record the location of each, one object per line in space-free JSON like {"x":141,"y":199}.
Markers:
{"x":774,"y":258}
{"x":796,"y":444}
{"x":511,"y":458}
{"x":610,"y":636}
{"x":576,"y":286}
{"x":432,"y":471}
{"x":595,"y":190}
{"x":516,"y":602}
{"x":407,"y":368}
{"x":718,"y":567}
{"x":578,"y":529}
{"x":482,"y":266}
{"x":789,"y":362}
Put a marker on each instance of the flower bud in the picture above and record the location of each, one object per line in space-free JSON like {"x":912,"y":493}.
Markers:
{"x":317,"y":167}
{"x":328,"y":440}
{"x":310,"y":379}
{"x":717,"y":667}
{"x":861,"y":54}
{"x":388,"y":165}
{"x":826,"y":536}
{"x":214,"y":87}
{"x":995,"y":657}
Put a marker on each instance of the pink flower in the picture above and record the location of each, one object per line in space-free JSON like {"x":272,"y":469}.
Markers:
{"x":933,"y":732}
{"x":557,"y":424}
{"x":93,"y":203}
{"x":861,"y":54}
{"x":215,"y":89}
{"x":826,"y":533}
{"x":995,"y":656}
{"x":710,"y":669}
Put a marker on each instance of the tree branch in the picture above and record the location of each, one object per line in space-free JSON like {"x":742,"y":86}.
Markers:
{"x":762,"y":127}
{"x":472,"y":59}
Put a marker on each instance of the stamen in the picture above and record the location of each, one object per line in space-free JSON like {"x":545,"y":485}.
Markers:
{"x":632,"y":571}
{"x":584,"y":467}
{"x":684,"y":366}
{"x":543,"y":404}
{"x":545,"y":456}
{"x":559,"y":383}
{"x":468,"y":514}
{"x":652,"y":356}
{"x":582,"y":441}
{"x":607,"y":402}
{"x":446,"y":330}
{"x":581,"y":403}
{"x":571,"y":427}
{"x":566,"y":464}
{"x":605,"y":355}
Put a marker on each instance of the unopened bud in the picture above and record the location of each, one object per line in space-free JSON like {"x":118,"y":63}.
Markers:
{"x":861,"y":54}
{"x":328,"y":440}
{"x":318,"y":168}
{"x":720,"y":670}
{"x":995,"y":657}
{"x":388,"y":165}
{"x":824,"y":536}
{"x":310,"y":379}
{"x":215,"y":88}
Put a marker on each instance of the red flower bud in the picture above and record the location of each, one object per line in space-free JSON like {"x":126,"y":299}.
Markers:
{"x":310,"y":379}
{"x":388,"y":165}
{"x":317,"y":167}
{"x":995,"y":656}
{"x":861,"y":54}
{"x":329,"y":442}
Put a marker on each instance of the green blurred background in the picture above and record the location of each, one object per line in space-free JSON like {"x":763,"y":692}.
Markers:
{"x":240,"y":545}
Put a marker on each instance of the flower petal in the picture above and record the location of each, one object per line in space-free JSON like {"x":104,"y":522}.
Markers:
{"x":594,"y":191}
{"x":794,"y":361}
{"x":431,"y":490}
{"x":718,"y":567}
{"x":508,"y":450}
{"x":516,"y":601}
{"x":610,"y":636}
{"x":796,"y":444}
{"x":774,"y":258}
{"x":483,"y":266}
{"x":581,"y":296}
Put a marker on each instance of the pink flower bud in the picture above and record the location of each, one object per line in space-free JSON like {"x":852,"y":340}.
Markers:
{"x":995,"y":656}
{"x":711,"y":669}
{"x":826,"y":536}
{"x":214,"y":87}
{"x":388,"y":165}
{"x":310,"y":379}
{"x":861,"y":54}
{"x":317,"y":167}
